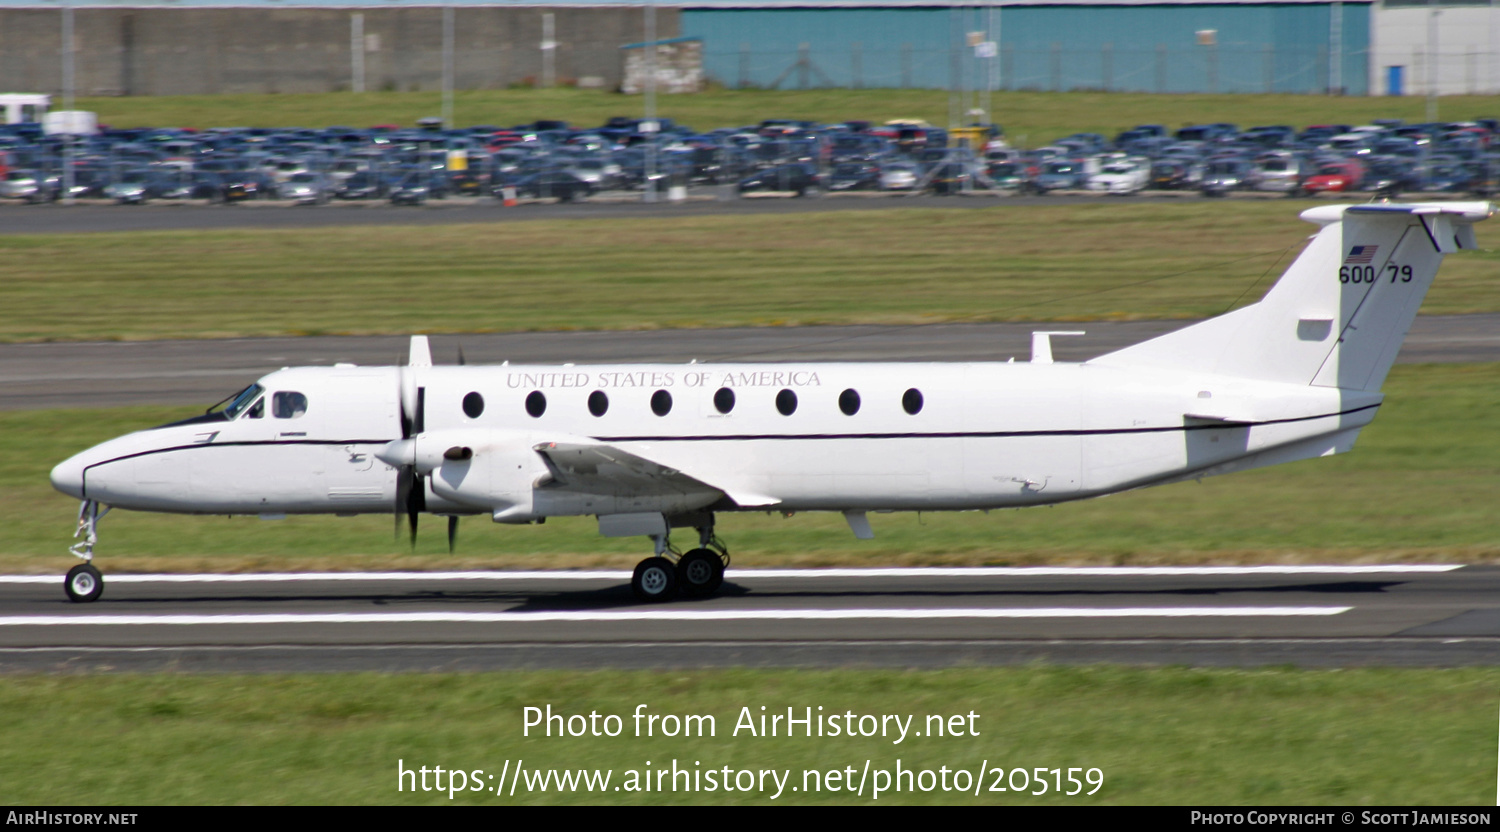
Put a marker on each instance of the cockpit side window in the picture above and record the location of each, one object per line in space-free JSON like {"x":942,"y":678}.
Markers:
{"x":242,"y":400}
{"x":256,"y":410}
{"x":288,"y":405}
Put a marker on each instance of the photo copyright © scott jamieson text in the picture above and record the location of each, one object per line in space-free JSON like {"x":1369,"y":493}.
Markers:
{"x":1381,"y":817}
{"x":866,"y":777}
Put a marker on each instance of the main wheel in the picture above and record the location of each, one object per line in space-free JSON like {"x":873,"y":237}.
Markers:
{"x":700,"y":572}
{"x":83,"y":584}
{"x":655,"y":579}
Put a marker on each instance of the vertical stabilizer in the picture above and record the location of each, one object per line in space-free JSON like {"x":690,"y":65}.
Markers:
{"x":1339,"y":313}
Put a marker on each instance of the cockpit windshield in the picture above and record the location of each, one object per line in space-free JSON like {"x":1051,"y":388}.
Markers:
{"x":243,"y":400}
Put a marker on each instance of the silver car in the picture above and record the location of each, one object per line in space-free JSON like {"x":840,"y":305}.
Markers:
{"x":25,"y":184}
{"x":1278,"y":173}
{"x":898,"y":176}
{"x":305,"y":188}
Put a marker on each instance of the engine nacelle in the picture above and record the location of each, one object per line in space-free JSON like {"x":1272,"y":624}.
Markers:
{"x":494,"y":470}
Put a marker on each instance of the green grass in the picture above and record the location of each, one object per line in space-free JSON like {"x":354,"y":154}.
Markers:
{"x":1072,"y":262}
{"x":1032,"y":118}
{"x":1421,"y":485}
{"x":1167,"y":736}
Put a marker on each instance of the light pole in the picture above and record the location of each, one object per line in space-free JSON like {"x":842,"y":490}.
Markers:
{"x":649,"y":126}
{"x":447,"y":67}
{"x":67,"y":79}
{"x":1432,"y":61}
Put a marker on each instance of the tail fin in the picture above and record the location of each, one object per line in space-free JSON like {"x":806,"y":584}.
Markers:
{"x":1338,"y":315}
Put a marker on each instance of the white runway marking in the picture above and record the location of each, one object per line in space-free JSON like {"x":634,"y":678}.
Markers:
{"x":660,"y":615}
{"x":890,"y":572}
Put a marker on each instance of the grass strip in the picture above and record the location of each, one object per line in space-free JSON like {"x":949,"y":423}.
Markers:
{"x":1031,"y":118}
{"x":1421,"y":485}
{"x":1109,"y":260}
{"x":1161,"y":736}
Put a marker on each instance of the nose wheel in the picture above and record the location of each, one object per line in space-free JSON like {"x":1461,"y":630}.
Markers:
{"x":83,"y":583}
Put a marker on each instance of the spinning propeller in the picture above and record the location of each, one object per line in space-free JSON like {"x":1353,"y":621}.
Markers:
{"x":411,"y":485}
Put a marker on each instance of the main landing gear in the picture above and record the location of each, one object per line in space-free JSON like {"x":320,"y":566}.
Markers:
{"x":696,"y":573}
{"x":83,"y":582}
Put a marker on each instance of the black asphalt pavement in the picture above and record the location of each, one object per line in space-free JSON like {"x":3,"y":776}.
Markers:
{"x":926,"y":618}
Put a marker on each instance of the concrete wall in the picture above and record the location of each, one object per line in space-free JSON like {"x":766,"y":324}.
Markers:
{"x":1468,"y":50}
{"x":208,"y":51}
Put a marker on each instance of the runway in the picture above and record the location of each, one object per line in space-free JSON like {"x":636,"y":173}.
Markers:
{"x":92,"y":374}
{"x":911,"y":617}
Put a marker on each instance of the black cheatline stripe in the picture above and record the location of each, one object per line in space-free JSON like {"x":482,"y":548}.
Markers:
{"x":781,"y":436}
{"x":201,"y":445}
{"x":975,"y":434}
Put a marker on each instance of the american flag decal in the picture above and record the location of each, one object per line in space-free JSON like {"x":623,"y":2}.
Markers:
{"x":1360,"y":255}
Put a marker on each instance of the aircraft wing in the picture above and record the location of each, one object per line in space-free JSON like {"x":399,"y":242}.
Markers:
{"x":605,"y":469}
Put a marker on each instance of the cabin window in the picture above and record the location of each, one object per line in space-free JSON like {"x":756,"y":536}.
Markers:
{"x":849,"y":402}
{"x":473,"y":405}
{"x":598,"y":403}
{"x":724,"y":400}
{"x":288,"y":405}
{"x":536,"y":404}
{"x":911,"y":401}
{"x":786,"y":402}
{"x":661,"y":402}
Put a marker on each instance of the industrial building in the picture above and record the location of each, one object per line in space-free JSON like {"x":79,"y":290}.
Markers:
{"x":172,"y":47}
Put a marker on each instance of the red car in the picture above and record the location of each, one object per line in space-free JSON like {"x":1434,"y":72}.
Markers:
{"x":1335,"y":177}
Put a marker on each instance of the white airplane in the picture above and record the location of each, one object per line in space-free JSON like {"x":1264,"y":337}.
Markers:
{"x":652,"y":448}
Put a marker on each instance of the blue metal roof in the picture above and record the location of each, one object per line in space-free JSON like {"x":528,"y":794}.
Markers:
{"x":682,"y":4}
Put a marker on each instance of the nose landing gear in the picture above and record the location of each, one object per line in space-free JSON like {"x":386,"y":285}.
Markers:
{"x":83,"y":582}
{"x":698,"y":573}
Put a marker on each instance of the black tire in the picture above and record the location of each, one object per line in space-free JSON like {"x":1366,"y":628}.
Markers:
{"x":699,"y":573}
{"x":83,"y":584}
{"x":655,"y":580}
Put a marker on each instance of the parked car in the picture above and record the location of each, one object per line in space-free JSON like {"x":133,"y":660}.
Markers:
{"x":898,"y":176}
{"x":1220,"y":176}
{"x":562,"y":185}
{"x":1335,"y":177}
{"x":1121,"y":177}
{"x":305,"y":188}
{"x":854,"y":176}
{"x":241,"y":185}
{"x":1279,"y":172}
{"x":1060,"y":175}
{"x":798,"y":177}
{"x":135,"y":187}
{"x":29,"y":185}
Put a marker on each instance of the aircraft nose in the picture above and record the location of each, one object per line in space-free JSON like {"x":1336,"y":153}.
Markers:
{"x":67,"y":477}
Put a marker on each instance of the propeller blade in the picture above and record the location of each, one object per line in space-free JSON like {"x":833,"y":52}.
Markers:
{"x":452,"y":531}
{"x":403,"y":496}
{"x":411,"y":519}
